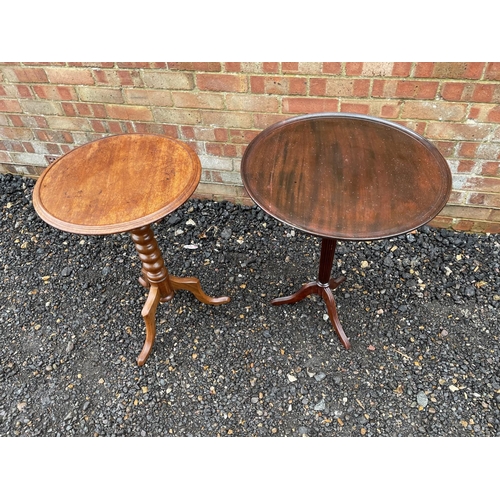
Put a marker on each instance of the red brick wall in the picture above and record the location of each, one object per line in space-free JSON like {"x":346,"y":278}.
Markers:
{"x":46,"y":109}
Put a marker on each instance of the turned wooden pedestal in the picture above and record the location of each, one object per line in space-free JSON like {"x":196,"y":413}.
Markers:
{"x":124,"y":183}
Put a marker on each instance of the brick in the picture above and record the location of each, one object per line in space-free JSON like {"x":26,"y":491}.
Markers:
{"x":100,"y":95}
{"x":220,"y":191}
{"x":340,"y":87}
{"x":264,"y":120}
{"x":202,"y":100}
{"x":98,"y":126}
{"x":491,"y":169}
{"x":195,"y":66}
{"x":288,"y":67}
{"x":270,"y":67}
{"x":488,"y":184}
{"x":465,"y":166}
{"x":13,"y":146}
{"x":129,"y":112}
{"x":232,"y":67}
{"x":227,"y":119}
{"x":353,"y":68}
{"x":462,"y":225}
{"x":242,"y":136}
{"x":457,"y":70}
{"x":157,"y":128}
{"x":486,"y":227}
{"x":147,"y":97}
{"x":214,"y":149}
{"x":486,"y":92}
{"x":492,"y":71}
{"x":15,"y":120}
{"x":29,"y":159}
{"x":138,"y":65}
{"x":231,"y":150}
{"x":253,"y":67}
{"x":69,"y":108}
{"x":26,"y":75}
{"x":465,"y":212}
{"x":488,"y":151}
{"x":401,"y":69}
{"x":83,"y":109}
{"x":55,"y":92}
{"x":262,"y":103}
{"x":434,"y":110}
{"x":377,"y":69}
{"x":83,"y":64}
{"x":15,"y":133}
{"x":332,"y":68}
{"x":199,"y":133}
{"x":391,"y":110}
{"x":467,"y":149}
{"x":446,"y":148}
{"x":304,"y":68}
{"x":70,"y":76}
{"x":493,"y":115}
{"x":416,"y":89}
{"x":187,"y":132}
{"x":10,"y":106}
{"x":51,"y":136}
{"x":352,"y":107}
{"x":417,"y":126}
{"x":117,"y":78}
{"x":423,"y":69}
{"x":177,"y":116}
{"x":24,"y":92}
{"x":278,"y":85}
{"x":309,"y":105}
{"x":222,"y":83}
{"x":453,"y":91}
{"x":213,"y":163}
{"x":168,"y":80}
{"x":41,"y":107}
{"x":493,"y":201}
{"x":69,"y":124}
{"x":458,"y":131}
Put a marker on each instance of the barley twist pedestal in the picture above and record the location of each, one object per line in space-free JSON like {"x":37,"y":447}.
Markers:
{"x":125,"y":183}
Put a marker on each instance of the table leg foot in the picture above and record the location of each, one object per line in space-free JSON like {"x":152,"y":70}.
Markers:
{"x":307,"y":289}
{"x":327,"y":296}
{"x":149,"y":315}
{"x":193,"y":285}
{"x":336,"y":282}
{"x":325,"y":292}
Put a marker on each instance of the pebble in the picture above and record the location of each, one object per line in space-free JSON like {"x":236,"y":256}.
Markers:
{"x":422,"y":399}
{"x":66,"y":272}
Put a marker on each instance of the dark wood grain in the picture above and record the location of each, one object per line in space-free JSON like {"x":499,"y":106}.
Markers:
{"x":346,"y":176}
{"x":117,"y":184}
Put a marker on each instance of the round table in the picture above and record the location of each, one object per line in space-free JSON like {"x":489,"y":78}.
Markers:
{"x":124,"y":183}
{"x":344,"y":176}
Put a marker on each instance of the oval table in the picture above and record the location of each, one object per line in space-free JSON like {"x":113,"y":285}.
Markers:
{"x":344,"y":176}
{"x":124,"y":183}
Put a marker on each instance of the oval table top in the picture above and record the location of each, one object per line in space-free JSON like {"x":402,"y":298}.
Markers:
{"x":346,"y":176}
{"x":117,"y":184}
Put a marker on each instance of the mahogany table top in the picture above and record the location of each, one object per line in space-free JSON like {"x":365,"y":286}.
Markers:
{"x":117,"y":184}
{"x":346,"y":176}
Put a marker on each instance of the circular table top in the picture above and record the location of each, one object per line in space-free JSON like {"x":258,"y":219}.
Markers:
{"x":117,"y":184}
{"x":346,"y":176}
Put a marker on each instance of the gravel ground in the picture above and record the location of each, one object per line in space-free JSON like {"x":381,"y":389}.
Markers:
{"x":421,"y":311}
